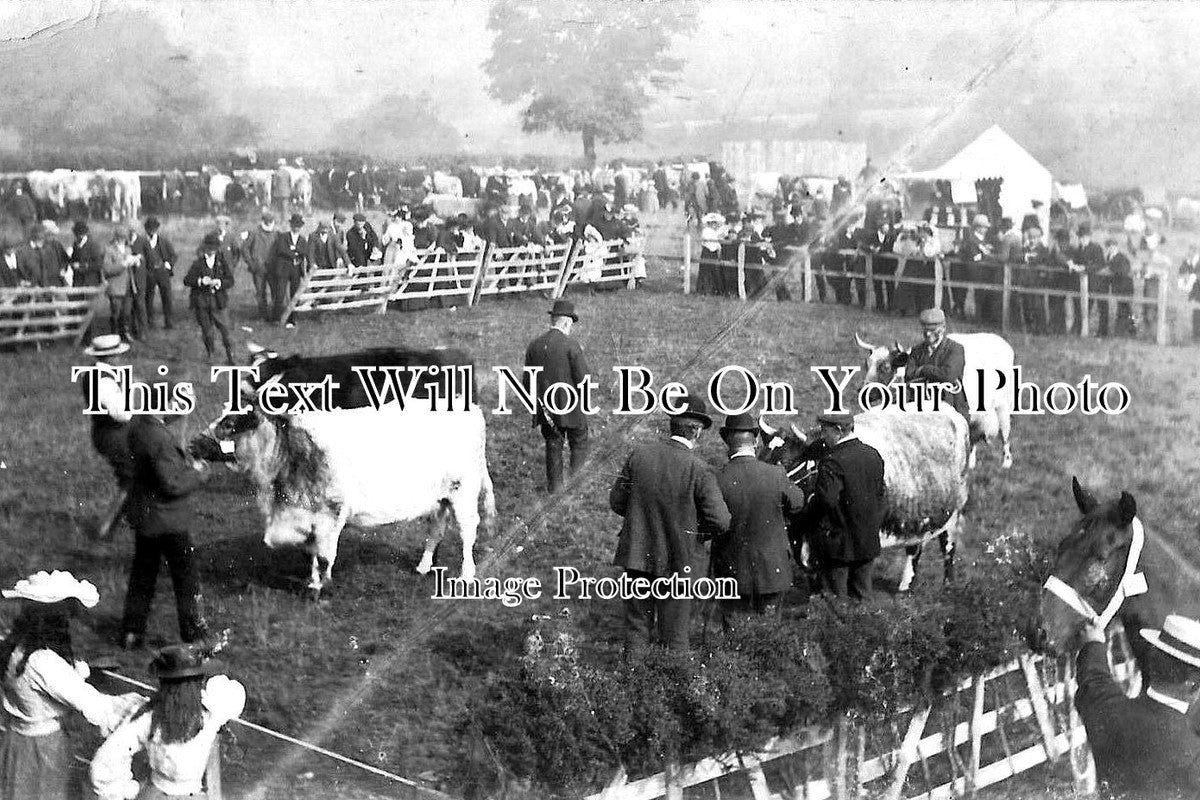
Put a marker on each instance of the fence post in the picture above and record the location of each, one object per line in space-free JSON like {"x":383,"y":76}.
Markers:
{"x":1006,"y":297}
{"x":1162,"y":336}
{"x":976,"y":733}
{"x":1085,"y":313}
{"x":1083,"y":766}
{"x":480,"y":269}
{"x":687,"y":262}
{"x":671,"y":776}
{"x":741,"y":270}
{"x":908,"y":752}
{"x":809,"y":292}
{"x":212,"y":772}
{"x":869,"y":282}
{"x":564,"y":275}
{"x":939,"y":270}
{"x":1037,"y":698}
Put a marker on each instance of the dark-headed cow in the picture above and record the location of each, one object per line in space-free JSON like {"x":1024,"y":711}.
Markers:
{"x":317,"y":471}
{"x":986,"y":354}
{"x":925,"y":473}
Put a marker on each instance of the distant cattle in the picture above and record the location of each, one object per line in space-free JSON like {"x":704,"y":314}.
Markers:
{"x":317,"y":471}
{"x":925,"y":473}
{"x":445,"y":183}
{"x":124,"y":195}
{"x":218,"y":187}
{"x":983,"y":351}
{"x":446,"y":206}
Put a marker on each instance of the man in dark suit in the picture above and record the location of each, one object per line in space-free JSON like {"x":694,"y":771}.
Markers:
{"x":755,"y":551}
{"x":228,"y":245}
{"x":561,"y":360}
{"x":38,"y":262}
{"x":87,"y":257}
{"x":1145,"y":747}
{"x":361,"y":241}
{"x":210,"y":278}
{"x":1088,"y":256}
{"x":1121,"y":274}
{"x":938,"y":359}
{"x":163,"y":477}
{"x":289,"y":263}
{"x":156,"y":271}
{"x":972,"y":252}
{"x":325,"y":251}
{"x":669,"y":498}
{"x":847,"y":509}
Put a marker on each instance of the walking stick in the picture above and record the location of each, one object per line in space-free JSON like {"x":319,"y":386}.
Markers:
{"x":108,"y":523}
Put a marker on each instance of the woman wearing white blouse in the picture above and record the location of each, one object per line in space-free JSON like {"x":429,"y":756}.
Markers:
{"x":42,"y":684}
{"x":176,"y":728}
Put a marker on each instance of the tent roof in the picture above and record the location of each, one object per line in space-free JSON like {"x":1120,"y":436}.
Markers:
{"x":993,"y":154}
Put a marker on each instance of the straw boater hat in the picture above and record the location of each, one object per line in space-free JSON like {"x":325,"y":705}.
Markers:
{"x":1179,"y":637}
{"x":53,"y":587}
{"x":109,"y":344}
{"x":181,"y":661}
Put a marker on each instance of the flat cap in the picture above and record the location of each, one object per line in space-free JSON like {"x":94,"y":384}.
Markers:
{"x":932,"y":316}
{"x":841,"y":421}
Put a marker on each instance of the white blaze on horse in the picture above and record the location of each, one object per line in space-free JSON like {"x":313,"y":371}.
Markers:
{"x":985,"y":354}
{"x":925,"y":476}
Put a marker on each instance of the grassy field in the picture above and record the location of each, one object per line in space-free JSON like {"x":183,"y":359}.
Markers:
{"x":379,"y":671}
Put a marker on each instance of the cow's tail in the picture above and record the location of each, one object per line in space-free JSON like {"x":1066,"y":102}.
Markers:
{"x":487,"y":501}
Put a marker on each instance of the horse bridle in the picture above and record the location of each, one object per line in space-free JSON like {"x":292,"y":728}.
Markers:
{"x":1132,"y":583}
{"x":774,"y":444}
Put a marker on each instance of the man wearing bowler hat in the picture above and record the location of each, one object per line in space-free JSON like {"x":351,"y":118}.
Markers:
{"x":1146,"y":747}
{"x":938,"y":359}
{"x":669,"y":498}
{"x":562,"y":361}
{"x":289,"y":262}
{"x":847,"y":509}
{"x":755,"y":551}
{"x":210,"y":278}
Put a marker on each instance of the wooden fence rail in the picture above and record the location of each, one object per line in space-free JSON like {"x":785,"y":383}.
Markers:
{"x":1045,"y":706}
{"x":47,"y":314}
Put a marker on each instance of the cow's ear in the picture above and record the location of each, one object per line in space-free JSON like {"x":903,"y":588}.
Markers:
{"x":899,"y":359}
{"x":1083,"y":498}
{"x":1127,"y":508}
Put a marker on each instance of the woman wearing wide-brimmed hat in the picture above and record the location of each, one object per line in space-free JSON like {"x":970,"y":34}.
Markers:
{"x":43,"y":683}
{"x":177,"y":729}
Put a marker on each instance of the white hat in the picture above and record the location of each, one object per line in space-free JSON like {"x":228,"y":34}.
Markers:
{"x":1179,"y":637}
{"x":54,"y":587}
{"x":1154,"y":213}
{"x":712,"y":218}
{"x":110,"y":344}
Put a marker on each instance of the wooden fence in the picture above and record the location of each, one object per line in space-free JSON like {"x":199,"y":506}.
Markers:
{"x":47,"y":314}
{"x":884,"y":281}
{"x":1010,"y":719}
{"x":470,"y":276}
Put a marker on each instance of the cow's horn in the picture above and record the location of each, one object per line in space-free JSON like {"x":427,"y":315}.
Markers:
{"x":767,"y":430}
{"x":799,"y":434}
{"x":255,"y":348}
{"x":864,"y":345}
{"x":897,"y":348}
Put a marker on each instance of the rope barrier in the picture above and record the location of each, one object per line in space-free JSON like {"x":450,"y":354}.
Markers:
{"x":306,"y":745}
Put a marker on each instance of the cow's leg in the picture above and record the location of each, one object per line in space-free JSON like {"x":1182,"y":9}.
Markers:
{"x":436,"y":530}
{"x":912,"y":560}
{"x":1004,"y":418}
{"x":466,"y":514}
{"x":971,"y":456}
{"x":947,"y":541}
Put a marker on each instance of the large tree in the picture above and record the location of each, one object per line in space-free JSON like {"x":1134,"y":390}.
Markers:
{"x":584,"y":66}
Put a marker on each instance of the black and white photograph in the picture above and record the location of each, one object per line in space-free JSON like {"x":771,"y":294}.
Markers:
{"x":599,"y":399}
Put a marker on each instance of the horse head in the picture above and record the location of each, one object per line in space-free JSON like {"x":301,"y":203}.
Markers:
{"x":795,"y":450}
{"x":1095,"y":571}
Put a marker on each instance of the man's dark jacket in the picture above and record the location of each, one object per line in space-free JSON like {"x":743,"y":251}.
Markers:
{"x":360,"y":245}
{"x":205,"y":297}
{"x":87,"y":260}
{"x":285,"y":257}
{"x":1143,"y":749}
{"x":562,"y":361}
{"x":849,"y":501}
{"x":668,"y":496}
{"x":162,"y":479}
{"x":756,"y":550}
{"x":943,"y":364}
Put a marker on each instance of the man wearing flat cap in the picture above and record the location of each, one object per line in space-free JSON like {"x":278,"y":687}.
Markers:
{"x":670,"y":499}
{"x":755,"y":550}
{"x":210,"y":278}
{"x":561,"y":360}
{"x":361,"y":241}
{"x":289,"y":262}
{"x":1146,"y":747}
{"x":938,"y":359}
{"x":847,"y":509}
{"x":257,"y":246}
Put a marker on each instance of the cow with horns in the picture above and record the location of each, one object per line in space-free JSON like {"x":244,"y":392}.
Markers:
{"x":925,"y":476}
{"x":358,"y":463}
{"x":986,"y":354}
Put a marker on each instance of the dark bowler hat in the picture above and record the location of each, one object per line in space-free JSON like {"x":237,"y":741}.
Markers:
{"x":740,"y":422}
{"x":296,"y":221}
{"x":211,"y":242}
{"x":322,"y":226}
{"x":842,"y":421}
{"x":152,"y":224}
{"x":183,"y":661}
{"x":695,"y":407}
{"x":80,"y":228}
{"x":360,"y":216}
{"x":564,"y":308}
{"x":338,"y":216}
{"x":932,"y":316}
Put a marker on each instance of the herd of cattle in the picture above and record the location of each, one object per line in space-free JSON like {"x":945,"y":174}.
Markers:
{"x":317,"y":472}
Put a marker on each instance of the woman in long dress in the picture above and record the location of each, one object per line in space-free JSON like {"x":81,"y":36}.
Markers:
{"x":397,"y":240}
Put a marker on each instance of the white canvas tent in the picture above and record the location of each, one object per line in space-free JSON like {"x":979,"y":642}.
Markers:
{"x":995,"y":154}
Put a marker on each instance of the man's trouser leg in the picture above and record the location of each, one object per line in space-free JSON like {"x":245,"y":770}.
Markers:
{"x":162,"y":278}
{"x":143,"y":574}
{"x":673,"y":618}
{"x":835,"y":579}
{"x":152,"y":286}
{"x":141,"y":325}
{"x":220,"y":320}
{"x":639,"y":616}
{"x":294,"y":278}
{"x":262,"y":286}
{"x":206,"y":328}
{"x":554,"y":456}
{"x":185,"y":580}
{"x":861,"y":575}
{"x":577,"y":439}
{"x":279,"y":294}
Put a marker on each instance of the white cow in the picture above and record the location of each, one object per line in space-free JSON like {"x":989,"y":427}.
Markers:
{"x":521,"y":191}
{"x":984,"y":352}
{"x":302,"y":188}
{"x":124,"y":195}
{"x":445,"y":183}
{"x":218,"y":185}
{"x":317,"y":471}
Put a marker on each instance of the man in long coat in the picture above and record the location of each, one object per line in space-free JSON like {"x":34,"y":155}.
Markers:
{"x":938,"y":359}
{"x":1145,"y":747}
{"x":669,"y":498}
{"x":210,"y":278}
{"x":848,"y":508}
{"x":287,"y":267}
{"x":755,"y":551}
{"x":562,"y":361}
